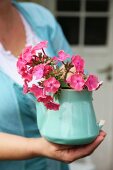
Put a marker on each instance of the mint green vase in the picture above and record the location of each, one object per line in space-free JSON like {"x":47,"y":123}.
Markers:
{"x":74,"y":123}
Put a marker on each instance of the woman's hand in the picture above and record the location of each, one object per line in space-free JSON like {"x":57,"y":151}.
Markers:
{"x":13,"y":147}
{"x":66,"y":153}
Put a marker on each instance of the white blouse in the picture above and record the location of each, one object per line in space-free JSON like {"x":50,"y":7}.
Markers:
{"x":8,"y":60}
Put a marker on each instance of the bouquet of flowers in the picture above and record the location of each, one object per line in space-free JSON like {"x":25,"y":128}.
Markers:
{"x":45,"y":76}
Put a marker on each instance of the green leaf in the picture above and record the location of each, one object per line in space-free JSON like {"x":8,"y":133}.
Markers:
{"x":64,"y":84}
{"x":57,"y":94}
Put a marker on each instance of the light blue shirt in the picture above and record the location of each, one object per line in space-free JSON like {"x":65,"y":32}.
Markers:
{"x":17,"y":111}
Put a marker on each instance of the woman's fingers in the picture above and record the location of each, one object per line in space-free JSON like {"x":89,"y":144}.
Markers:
{"x":72,"y":154}
{"x":102,"y":133}
{"x":90,"y":148}
{"x":68,"y":153}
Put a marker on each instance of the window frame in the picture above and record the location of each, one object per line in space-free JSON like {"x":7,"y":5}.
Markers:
{"x":83,"y":14}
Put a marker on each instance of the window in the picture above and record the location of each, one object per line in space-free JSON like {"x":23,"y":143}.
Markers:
{"x":71,"y":29}
{"x":84,"y":22}
{"x":97,"y":5}
{"x":68,"y":5}
{"x":95,"y":31}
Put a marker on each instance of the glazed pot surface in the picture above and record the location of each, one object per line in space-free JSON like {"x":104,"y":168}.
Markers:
{"x":74,"y":123}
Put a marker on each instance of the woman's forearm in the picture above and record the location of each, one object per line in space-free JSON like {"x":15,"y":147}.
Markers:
{"x":13,"y":147}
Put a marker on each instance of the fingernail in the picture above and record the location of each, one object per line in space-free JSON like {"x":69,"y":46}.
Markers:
{"x":105,"y":134}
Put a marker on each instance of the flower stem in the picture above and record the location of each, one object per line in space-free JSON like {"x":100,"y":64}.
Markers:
{"x":65,"y":76}
{"x":63,"y":63}
{"x":44,"y":52}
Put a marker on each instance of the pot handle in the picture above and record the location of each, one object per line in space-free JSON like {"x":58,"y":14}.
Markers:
{"x":101,"y":124}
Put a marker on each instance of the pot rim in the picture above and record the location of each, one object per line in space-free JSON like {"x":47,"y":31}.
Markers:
{"x":64,"y":89}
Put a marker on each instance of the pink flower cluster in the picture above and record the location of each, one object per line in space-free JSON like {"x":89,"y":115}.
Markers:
{"x":79,"y":80}
{"x":43,"y":77}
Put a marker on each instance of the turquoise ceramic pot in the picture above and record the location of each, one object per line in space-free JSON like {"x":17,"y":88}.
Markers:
{"x":74,"y":123}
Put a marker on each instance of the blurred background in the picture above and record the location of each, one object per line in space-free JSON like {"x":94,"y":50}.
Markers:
{"x":88,"y":26}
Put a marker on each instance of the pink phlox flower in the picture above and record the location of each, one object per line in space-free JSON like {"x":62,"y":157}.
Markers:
{"x":76,"y":82}
{"x":39,"y":46}
{"x":38,"y":71}
{"x":26,"y":73}
{"x":25,"y":87}
{"x":24,"y":60}
{"x":26,"y":54}
{"x":27,"y":76}
{"x":78,"y":62}
{"x":47,"y":69}
{"x":51,"y":85}
{"x":45,"y":99}
{"x":37,"y":91}
{"x":62,"y":56}
{"x":21,"y":64}
{"x":52,"y":106}
{"x":92,"y":82}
